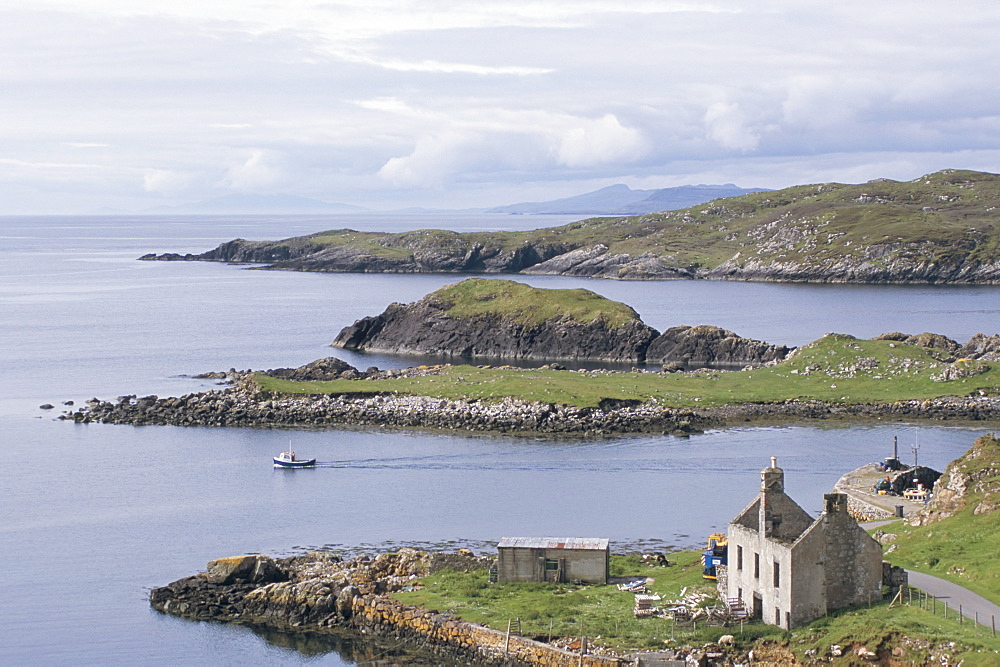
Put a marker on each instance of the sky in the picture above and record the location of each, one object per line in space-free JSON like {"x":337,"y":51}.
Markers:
{"x":131,"y":104}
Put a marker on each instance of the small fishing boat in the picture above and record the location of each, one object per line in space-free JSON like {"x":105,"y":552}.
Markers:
{"x":289,"y":460}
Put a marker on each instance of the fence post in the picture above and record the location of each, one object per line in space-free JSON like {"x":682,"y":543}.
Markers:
{"x":993,"y":624}
{"x":506,"y":643}
{"x":960,"y":616}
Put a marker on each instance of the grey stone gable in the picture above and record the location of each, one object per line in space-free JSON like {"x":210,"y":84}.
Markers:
{"x":791,"y":521}
{"x":750,"y":516}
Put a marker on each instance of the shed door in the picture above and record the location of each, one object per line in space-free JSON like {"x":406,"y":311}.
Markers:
{"x":553,"y":570}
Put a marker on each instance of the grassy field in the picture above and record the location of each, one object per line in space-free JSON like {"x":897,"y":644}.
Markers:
{"x":604,"y":614}
{"x":837,"y":368}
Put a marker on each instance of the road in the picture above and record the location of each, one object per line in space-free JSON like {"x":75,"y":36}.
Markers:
{"x":955,"y":595}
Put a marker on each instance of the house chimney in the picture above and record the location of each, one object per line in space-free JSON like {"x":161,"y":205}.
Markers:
{"x":836,"y":503}
{"x":772,"y":481}
{"x":773,"y":478}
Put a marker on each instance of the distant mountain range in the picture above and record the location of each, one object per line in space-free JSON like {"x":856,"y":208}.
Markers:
{"x":613,"y":200}
{"x":622,"y":200}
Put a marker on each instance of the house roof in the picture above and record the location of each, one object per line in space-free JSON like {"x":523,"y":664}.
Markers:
{"x":581,"y":543}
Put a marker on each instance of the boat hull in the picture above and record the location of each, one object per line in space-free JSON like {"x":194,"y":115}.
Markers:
{"x":294,"y":464}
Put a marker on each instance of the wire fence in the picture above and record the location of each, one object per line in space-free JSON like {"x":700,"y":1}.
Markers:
{"x":911,"y":595}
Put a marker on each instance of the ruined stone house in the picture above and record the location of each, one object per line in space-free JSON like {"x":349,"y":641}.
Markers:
{"x":788,"y":568}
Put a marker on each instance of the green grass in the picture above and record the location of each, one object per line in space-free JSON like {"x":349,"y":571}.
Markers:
{"x":604,"y":614}
{"x":567,"y":610}
{"x":837,"y":368}
{"x":478,"y":297}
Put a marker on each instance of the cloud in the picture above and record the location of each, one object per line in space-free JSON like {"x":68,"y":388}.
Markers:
{"x":164,"y":181}
{"x":256,"y":173}
{"x":511,"y":141}
{"x":726,"y":124}
{"x":593,"y":142}
{"x":436,"y":99}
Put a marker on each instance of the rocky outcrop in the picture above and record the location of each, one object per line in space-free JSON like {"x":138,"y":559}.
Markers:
{"x":973,"y":480}
{"x":329,"y":368}
{"x":432,"y":327}
{"x":982,"y":347}
{"x":325,"y":593}
{"x":701,"y":346}
{"x":596,"y":262}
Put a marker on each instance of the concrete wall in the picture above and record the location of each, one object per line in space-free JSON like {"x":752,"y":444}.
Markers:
{"x":523,"y":564}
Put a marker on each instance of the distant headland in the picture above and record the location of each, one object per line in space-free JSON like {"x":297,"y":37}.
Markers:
{"x":939,"y":228}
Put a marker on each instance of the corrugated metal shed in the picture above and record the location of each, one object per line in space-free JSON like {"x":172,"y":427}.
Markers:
{"x":582,"y":543}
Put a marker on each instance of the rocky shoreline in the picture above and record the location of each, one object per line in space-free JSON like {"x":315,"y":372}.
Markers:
{"x":245,"y":406}
{"x":324,"y":593}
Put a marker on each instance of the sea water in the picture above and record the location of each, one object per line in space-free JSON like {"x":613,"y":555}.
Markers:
{"x":93,"y":516}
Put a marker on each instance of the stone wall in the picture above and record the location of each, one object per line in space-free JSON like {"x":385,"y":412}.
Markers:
{"x":387,"y":617}
{"x":864,"y":511}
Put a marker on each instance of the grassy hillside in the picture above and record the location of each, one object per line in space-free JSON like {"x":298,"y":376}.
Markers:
{"x":477,"y":297}
{"x":942,"y":226}
{"x":837,"y":368}
{"x":963,"y":547}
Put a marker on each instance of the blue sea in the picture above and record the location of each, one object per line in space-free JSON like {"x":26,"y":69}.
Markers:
{"x":93,"y":516}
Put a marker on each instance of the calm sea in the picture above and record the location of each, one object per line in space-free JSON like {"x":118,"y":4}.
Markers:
{"x":92,"y":516}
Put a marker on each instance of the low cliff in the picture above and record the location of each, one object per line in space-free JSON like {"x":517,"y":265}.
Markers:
{"x":505,"y":320}
{"x":938,"y":228}
{"x":971,"y":481}
{"x":324,"y":593}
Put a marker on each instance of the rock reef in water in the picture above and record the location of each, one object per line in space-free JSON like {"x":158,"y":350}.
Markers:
{"x":502,"y":319}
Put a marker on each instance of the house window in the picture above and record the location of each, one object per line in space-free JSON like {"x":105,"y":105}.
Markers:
{"x":756,"y":566}
{"x":777,"y":616}
{"x":739,"y":557}
{"x":777,"y":574}
{"x":551,"y":565}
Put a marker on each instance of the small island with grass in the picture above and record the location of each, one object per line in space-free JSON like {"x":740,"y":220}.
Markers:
{"x":893,"y":376}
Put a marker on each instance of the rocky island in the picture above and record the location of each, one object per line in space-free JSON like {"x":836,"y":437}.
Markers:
{"x":938,"y":228}
{"x":502,"y":319}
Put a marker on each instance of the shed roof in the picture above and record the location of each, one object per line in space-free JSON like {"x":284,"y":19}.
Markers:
{"x":582,"y":543}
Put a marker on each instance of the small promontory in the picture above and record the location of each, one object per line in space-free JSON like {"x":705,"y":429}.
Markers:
{"x":505,"y":320}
